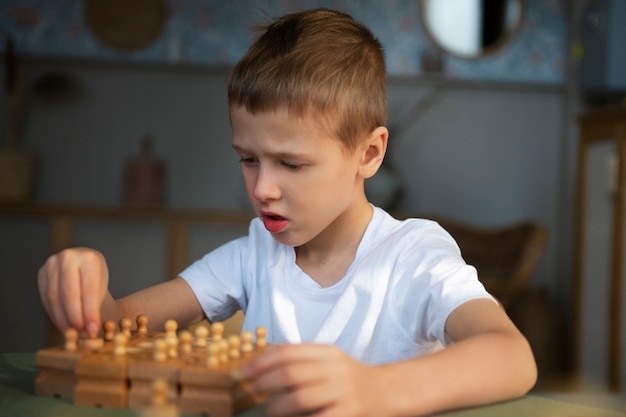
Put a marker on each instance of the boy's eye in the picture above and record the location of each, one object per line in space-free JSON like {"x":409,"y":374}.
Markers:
{"x":248,"y":161}
{"x":290,"y":165}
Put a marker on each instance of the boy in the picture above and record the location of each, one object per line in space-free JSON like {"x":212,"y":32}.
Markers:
{"x":360,"y":302}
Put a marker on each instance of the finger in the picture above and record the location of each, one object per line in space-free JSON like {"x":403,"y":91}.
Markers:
{"x":290,"y":376}
{"x":59,"y":313}
{"x":47,"y":280}
{"x":93,"y":278}
{"x":305,"y":400}
{"x":284,"y":354}
{"x":70,"y":291}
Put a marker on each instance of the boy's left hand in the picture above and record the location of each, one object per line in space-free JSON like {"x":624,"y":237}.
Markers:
{"x":316,"y":380}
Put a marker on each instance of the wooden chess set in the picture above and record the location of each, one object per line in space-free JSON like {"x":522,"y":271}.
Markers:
{"x":195,"y":373}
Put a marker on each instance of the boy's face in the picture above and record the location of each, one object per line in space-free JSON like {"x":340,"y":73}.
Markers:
{"x":299,"y":178}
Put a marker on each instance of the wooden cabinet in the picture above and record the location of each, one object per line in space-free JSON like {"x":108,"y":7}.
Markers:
{"x":600,"y":248}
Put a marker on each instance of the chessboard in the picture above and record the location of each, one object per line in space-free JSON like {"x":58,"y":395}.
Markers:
{"x":195,"y":373}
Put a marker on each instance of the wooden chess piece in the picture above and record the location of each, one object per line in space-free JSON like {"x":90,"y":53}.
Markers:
{"x":160,"y":350}
{"x":159,"y":392}
{"x":261,"y":342}
{"x":160,"y":406}
{"x":125,"y":325}
{"x":246,"y":343}
{"x":119,"y":344}
{"x":92,"y":341}
{"x":170,"y":331}
{"x":185,"y":339}
{"x":171,"y":339}
{"x":233,"y":347}
{"x":213,"y":359}
{"x":142,"y":324}
{"x":201,"y":333}
{"x":217,"y":331}
{"x":108,"y":329}
{"x":71,"y":339}
{"x":223,"y":351}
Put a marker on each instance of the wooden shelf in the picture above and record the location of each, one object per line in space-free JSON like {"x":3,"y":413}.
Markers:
{"x":61,"y":218}
{"x":127,"y":213}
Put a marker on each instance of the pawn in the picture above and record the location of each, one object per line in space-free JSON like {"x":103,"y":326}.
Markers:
{"x":119,"y":344}
{"x":217,"y":331}
{"x":213,"y":359}
{"x":184,"y":342}
{"x":159,"y":393}
{"x":246,"y":343}
{"x":125,"y":325}
{"x":261,"y":333}
{"x":92,"y":341}
{"x":233,"y":347}
{"x":172,"y":351}
{"x":171,"y":339}
{"x":201,"y":333}
{"x":223,"y":351}
{"x":142,"y":324}
{"x":160,"y":350}
{"x":71,"y":339}
{"x":160,"y":402}
{"x":170,"y":331}
{"x":108,"y":329}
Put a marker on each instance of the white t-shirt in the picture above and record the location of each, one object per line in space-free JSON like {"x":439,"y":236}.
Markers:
{"x":392,"y":304}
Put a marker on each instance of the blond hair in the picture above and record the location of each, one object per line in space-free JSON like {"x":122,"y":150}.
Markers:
{"x":320,"y":63}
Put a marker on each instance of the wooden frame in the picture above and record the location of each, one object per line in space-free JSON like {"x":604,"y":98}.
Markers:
{"x":596,"y":126}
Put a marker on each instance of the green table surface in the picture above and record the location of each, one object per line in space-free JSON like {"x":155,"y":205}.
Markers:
{"x":17,"y":398}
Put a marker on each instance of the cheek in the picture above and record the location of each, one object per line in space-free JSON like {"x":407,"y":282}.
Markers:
{"x":344,"y":175}
{"x":248,"y":181}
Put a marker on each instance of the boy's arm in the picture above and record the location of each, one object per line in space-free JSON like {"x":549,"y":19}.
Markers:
{"x":173,"y":299}
{"x":489,"y":361}
{"x":73,"y":285}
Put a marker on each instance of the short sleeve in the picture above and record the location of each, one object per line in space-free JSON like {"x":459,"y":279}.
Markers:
{"x":435,"y":281}
{"x":217,"y":280}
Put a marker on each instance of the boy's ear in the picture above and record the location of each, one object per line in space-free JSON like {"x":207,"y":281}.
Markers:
{"x":374,"y":149}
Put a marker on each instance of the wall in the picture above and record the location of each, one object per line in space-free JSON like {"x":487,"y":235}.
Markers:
{"x":216,"y":32}
{"x":484,"y":153}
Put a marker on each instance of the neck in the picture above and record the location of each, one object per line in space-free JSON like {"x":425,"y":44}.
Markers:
{"x":327,"y":257}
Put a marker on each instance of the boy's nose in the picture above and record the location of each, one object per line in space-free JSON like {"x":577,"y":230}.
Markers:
{"x":265,"y":186}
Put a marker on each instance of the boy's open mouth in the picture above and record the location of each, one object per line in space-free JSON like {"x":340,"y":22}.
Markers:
{"x":274,"y":223}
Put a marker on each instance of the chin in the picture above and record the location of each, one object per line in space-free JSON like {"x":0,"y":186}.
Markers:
{"x":285,"y":241}
{"x":288,"y":239}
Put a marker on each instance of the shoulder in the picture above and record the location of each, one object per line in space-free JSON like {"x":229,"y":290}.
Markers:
{"x":392,"y":223}
{"x":411,"y":232}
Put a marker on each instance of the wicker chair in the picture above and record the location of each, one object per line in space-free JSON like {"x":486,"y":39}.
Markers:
{"x":505,"y":257}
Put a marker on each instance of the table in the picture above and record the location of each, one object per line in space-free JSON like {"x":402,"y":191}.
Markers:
{"x":18,"y":372}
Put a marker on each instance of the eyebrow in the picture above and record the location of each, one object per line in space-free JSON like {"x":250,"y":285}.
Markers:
{"x":279,"y":155}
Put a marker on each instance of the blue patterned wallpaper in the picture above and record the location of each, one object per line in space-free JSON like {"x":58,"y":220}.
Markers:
{"x":217,"y":32}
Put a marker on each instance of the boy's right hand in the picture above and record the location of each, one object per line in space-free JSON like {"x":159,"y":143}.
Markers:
{"x":73,"y":284}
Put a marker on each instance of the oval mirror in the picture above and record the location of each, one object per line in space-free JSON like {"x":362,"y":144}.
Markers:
{"x":471,"y":28}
